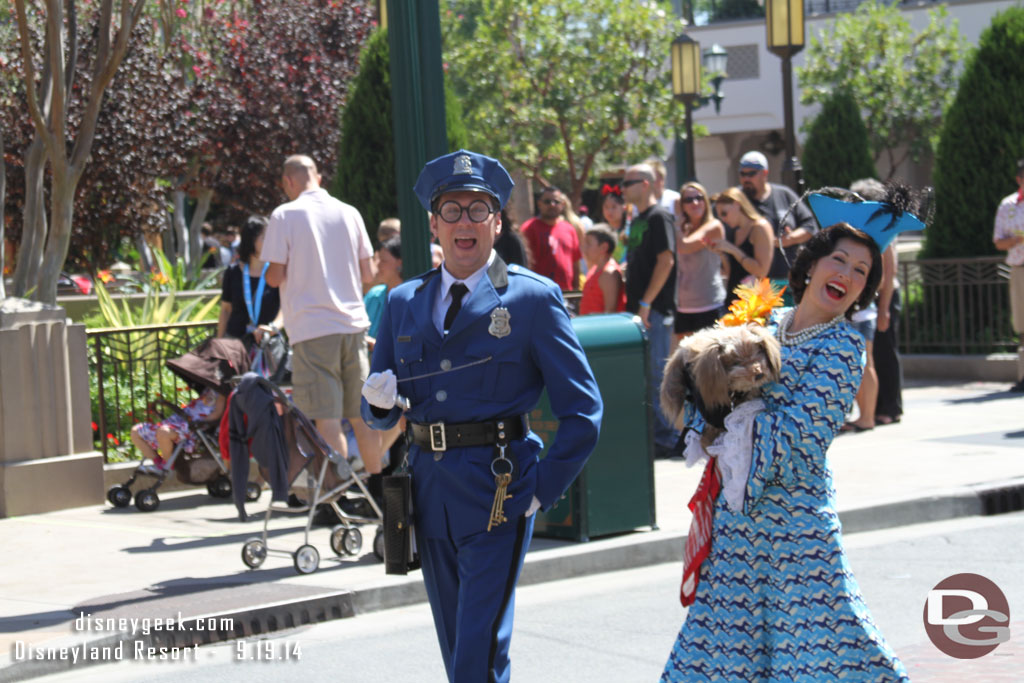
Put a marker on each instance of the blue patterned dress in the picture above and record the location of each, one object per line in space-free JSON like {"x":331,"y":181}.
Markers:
{"x":777,"y":600}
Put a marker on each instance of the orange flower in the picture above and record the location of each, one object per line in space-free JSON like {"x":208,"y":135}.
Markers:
{"x":105,"y":276}
{"x":754,"y":305}
{"x":159,"y":278}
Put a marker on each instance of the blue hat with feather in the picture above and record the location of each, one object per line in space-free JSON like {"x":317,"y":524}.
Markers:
{"x":882,"y":221}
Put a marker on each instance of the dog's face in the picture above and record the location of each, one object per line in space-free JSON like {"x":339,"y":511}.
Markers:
{"x":735,"y":361}
{"x":750,"y":364}
{"x":724,"y":363}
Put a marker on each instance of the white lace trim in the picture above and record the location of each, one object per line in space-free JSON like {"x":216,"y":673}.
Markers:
{"x":733,"y":448}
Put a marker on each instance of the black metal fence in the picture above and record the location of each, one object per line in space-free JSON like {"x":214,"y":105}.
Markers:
{"x":127,"y":374}
{"x":959,"y":306}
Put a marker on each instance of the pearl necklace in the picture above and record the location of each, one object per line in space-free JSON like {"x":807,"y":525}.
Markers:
{"x":795,"y":339}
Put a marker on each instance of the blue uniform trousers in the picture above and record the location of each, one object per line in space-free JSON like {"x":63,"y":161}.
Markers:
{"x":475,"y":631}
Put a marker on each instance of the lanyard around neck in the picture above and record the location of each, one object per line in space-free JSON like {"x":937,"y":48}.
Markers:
{"x":254,"y":313}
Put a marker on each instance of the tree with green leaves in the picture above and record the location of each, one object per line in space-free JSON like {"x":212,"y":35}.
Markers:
{"x":836,"y":151}
{"x":898,"y":77}
{"x":365,"y":175}
{"x":552,"y":89}
{"x":982,"y":138}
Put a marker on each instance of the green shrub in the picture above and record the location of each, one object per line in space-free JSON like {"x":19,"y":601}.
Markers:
{"x":837,"y":149}
{"x":982,"y":137}
{"x":365,"y":176}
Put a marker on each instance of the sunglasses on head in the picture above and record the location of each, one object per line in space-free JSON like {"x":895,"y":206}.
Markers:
{"x":749,"y":174}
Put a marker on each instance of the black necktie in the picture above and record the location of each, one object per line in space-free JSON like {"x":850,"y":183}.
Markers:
{"x":458,"y":290}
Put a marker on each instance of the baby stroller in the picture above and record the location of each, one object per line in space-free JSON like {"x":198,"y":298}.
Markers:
{"x":295,"y":459}
{"x":196,"y":458}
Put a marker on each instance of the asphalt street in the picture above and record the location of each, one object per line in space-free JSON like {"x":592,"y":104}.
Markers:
{"x":618,"y":627}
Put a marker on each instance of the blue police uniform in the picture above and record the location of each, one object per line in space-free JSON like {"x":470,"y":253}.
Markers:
{"x":514,"y":331}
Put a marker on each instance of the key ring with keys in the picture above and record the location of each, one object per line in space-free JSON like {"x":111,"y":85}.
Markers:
{"x":502,"y":462}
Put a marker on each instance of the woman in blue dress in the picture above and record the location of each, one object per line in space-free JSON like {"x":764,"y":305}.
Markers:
{"x":776,"y":598}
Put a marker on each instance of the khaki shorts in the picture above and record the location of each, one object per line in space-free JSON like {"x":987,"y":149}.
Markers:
{"x":328,"y":374}
{"x":1017,"y":298}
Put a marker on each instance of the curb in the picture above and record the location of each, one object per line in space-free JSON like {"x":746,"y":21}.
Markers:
{"x":606,"y":555}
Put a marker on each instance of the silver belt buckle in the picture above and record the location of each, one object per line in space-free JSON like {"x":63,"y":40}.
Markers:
{"x":437,"y":440}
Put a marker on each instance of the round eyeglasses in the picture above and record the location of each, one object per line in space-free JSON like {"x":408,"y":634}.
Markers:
{"x":478,"y":211}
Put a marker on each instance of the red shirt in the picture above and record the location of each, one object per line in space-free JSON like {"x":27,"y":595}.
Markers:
{"x":554,"y":248}
{"x":592,"y":300}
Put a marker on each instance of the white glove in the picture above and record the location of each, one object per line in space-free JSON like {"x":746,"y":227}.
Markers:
{"x":381,"y":389}
{"x":534,"y":506}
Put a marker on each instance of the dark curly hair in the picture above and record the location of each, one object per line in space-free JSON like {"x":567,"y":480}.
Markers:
{"x":823,"y":243}
{"x":253,"y":228}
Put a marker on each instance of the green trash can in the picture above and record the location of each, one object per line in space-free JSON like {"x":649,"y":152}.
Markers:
{"x":615,"y":491}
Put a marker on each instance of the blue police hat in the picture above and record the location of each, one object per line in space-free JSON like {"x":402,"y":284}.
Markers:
{"x":463,"y":170}
{"x":879,"y":220}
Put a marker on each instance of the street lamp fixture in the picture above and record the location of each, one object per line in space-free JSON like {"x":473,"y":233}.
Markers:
{"x":784,"y":20}
{"x":716,"y":58}
{"x":688,"y":89}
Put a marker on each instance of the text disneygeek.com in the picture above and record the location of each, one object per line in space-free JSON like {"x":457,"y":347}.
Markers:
{"x":135,"y":626}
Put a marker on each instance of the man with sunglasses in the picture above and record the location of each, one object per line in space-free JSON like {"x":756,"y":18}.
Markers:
{"x":554,"y":244}
{"x":651,"y":285}
{"x":468,"y":347}
{"x":773,"y":201}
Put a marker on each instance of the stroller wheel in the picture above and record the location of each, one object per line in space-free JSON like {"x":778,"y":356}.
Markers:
{"x":346,"y":541}
{"x":220,"y":487}
{"x":253,"y":491}
{"x":307,"y":559}
{"x":119,"y":496}
{"x":253,"y":553}
{"x":337,"y":540}
{"x":378,"y":544}
{"x":147,"y":500}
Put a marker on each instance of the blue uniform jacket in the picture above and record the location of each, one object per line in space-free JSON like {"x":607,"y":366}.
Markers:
{"x":541,"y":350}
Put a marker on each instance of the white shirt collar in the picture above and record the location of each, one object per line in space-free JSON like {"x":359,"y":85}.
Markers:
{"x":471,"y":282}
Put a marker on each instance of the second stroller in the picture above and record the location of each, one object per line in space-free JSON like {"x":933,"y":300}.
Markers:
{"x":186,"y":442}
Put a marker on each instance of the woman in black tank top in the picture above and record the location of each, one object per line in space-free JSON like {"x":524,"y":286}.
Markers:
{"x":752,"y":255}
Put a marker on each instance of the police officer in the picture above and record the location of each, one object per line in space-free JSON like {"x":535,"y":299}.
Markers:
{"x":471,"y":344}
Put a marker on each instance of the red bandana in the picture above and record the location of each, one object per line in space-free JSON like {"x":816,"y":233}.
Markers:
{"x":698,"y":540}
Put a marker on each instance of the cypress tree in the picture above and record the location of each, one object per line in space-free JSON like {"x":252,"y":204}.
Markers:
{"x":982,"y":138}
{"x":365,"y":174}
{"x":836,"y":151}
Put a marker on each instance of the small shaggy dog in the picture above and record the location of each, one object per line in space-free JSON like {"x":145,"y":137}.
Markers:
{"x":718,"y":368}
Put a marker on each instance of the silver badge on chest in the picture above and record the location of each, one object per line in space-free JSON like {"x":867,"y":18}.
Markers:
{"x":463,"y":165}
{"x":499,"y":323}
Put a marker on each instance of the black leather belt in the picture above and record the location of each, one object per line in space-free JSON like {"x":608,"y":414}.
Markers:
{"x":439,"y":436}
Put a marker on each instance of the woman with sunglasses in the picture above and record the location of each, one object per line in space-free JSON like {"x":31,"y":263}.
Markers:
{"x":747,"y":244}
{"x":700,"y":292}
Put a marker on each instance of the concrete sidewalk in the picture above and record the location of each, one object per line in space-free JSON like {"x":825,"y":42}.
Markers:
{"x":957,"y":450}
